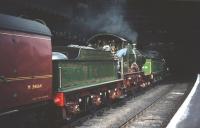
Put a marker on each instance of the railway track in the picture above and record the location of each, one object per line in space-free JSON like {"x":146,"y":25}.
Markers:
{"x":160,"y":111}
{"x":132,"y":111}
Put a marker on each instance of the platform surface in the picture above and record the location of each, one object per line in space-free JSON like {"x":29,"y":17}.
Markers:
{"x":188,"y":115}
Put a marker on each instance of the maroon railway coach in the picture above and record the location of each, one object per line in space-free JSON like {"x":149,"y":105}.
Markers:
{"x":25,"y":65}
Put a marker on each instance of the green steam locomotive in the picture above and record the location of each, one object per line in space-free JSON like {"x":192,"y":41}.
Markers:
{"x":107,"y":69}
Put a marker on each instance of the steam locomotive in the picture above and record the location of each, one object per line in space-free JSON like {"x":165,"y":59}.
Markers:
{"x":68,"y":79}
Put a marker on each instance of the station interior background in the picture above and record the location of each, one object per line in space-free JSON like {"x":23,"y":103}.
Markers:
{"x":171,"y":27}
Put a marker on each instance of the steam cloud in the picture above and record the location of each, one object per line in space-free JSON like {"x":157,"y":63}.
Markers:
{"x":109,"y":21}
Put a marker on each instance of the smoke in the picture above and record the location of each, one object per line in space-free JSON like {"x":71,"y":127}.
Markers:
{"x":110,"y":20}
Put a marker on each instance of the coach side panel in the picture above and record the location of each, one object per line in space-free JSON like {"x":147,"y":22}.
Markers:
{"x":25,"y":69}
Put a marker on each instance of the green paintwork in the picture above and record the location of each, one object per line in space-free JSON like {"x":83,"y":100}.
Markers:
{"x":76,"y":74}
{"x":147,"y":67}
{"x":83,"y":53}
{"x":133,"y":56}
{"x":88,"y":68}
{"x":153,"y":66}
{"x":91,"y":54}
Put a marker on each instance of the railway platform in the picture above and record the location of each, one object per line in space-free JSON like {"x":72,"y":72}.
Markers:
{"x":188,"y":115}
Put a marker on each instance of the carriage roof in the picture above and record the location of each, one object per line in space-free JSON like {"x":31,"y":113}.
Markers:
{"x":23,"y":25}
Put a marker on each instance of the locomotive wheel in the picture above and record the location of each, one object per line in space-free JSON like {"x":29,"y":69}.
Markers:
{"x":91,"y":107}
